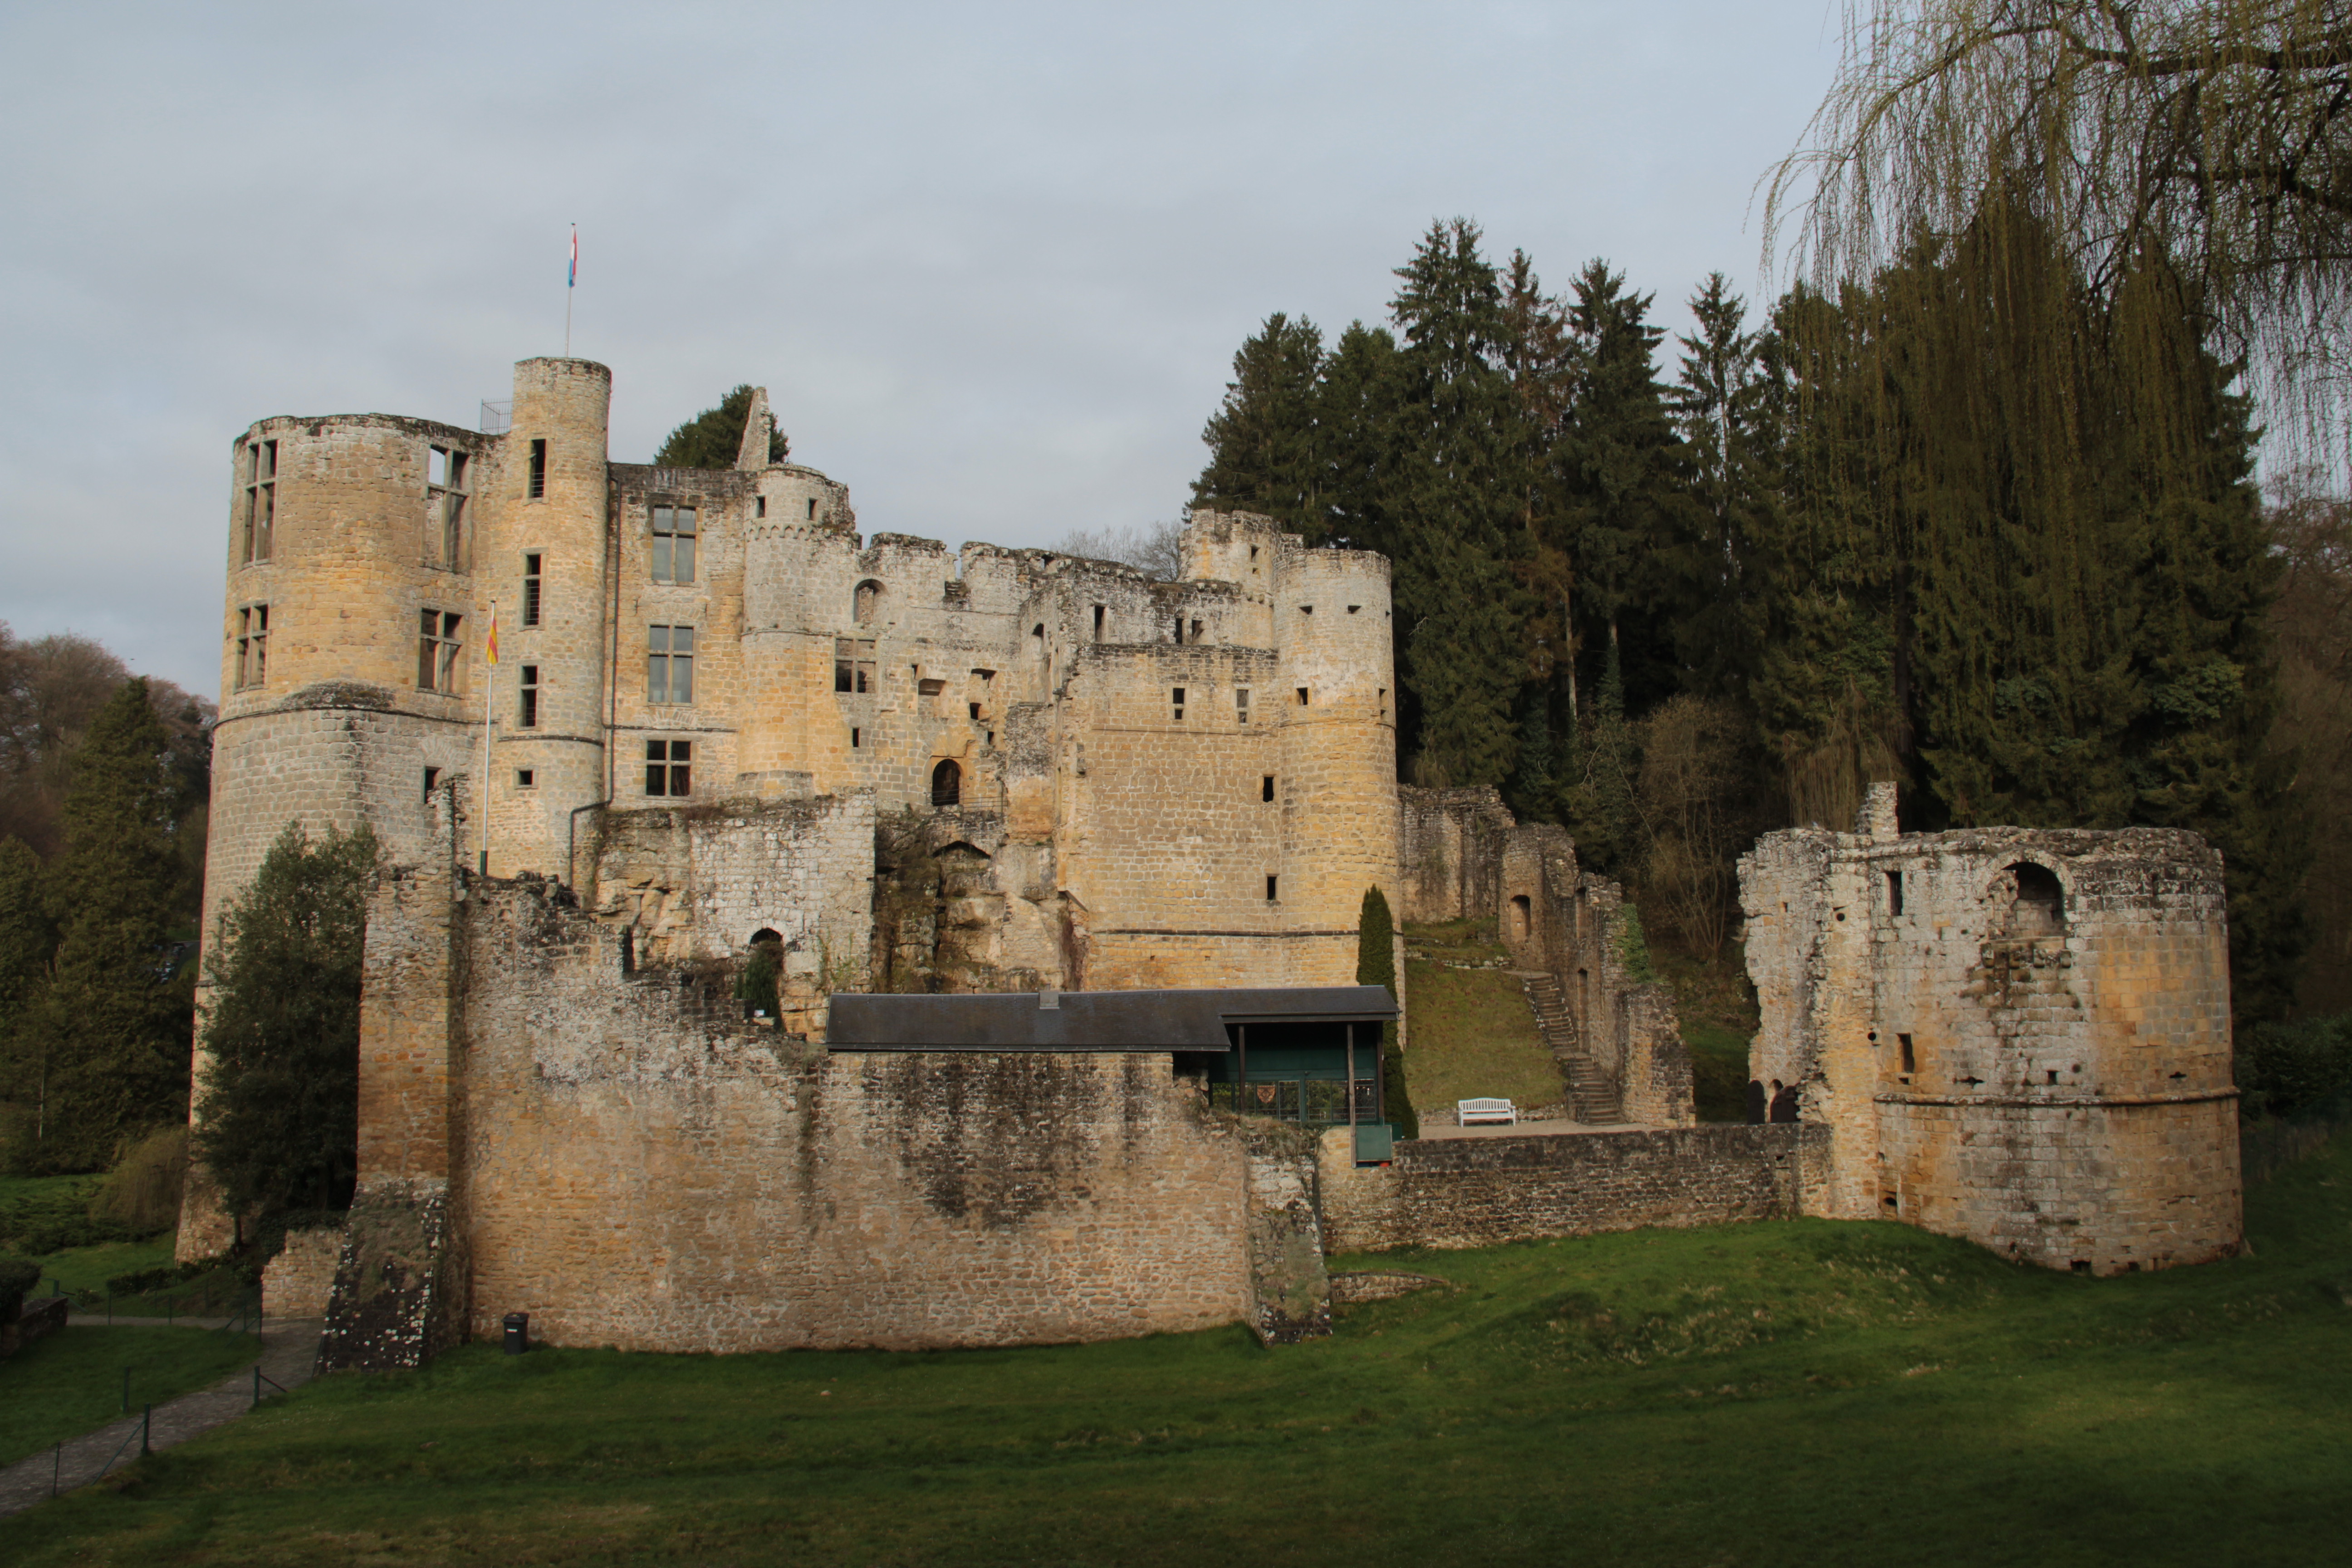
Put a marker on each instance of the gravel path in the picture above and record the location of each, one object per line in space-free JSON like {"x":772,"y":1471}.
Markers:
{"x":290,"y":1354}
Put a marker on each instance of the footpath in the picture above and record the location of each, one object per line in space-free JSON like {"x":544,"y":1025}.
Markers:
{"x":289,"y":1354}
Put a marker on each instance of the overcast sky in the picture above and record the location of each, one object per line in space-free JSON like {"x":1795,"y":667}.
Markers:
{"x":991,"y":261}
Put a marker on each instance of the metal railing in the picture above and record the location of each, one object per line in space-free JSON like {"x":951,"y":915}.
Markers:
{"x":1313,"y":1101}
{"x":498,"y":417}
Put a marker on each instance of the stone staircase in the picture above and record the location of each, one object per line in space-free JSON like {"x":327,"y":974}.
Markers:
{"x":1591,"y":1096}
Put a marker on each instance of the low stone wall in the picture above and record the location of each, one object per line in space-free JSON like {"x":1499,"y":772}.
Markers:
{"x":297,"y":1281}
{"x":1456,"y":1193}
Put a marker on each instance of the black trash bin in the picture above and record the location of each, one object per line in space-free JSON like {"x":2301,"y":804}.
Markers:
{"x":517,"y":1325}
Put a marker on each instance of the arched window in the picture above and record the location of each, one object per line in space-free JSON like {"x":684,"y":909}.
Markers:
{"x":869,"y":602}
{"x":946,"y":783}
{"x":1522,"y":916}
{"x":2040,"y":908}
{"x":766,"y":935}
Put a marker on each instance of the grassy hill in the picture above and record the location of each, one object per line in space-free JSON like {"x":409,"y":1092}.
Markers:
{"x":1469,"y":1030}
{"x":1807,"y":1391}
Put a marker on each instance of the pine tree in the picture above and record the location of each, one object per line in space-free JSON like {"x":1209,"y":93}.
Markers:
{"x":1457,"y":609}
{"x":1357,"y":415}
{"x":1376,"y":965}
{"x":1722,"y":405}
{"x":279,"y":1122}
{"x":714,"y":437}
{"x":106,"y":1045}
{"x":1264,"y":452}
{"x":28,"y":941}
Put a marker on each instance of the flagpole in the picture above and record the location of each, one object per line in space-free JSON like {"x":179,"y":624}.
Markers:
{"x":570,"y":283}
{"x":489,"y":687}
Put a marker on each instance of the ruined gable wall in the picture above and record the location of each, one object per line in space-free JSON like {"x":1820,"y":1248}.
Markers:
{"x":1451,"y":852}
{"x":646,"y":1170}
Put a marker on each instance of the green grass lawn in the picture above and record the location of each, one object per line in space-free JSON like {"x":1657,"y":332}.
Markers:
{"x":1470,"y":1032}
{"x":1802,"y":1392}
{"x":72,"y":1381}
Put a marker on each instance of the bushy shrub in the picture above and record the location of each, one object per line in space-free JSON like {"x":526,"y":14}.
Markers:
{"x":142,"y":1193}
{"x":2291,"y":1069}
{"x":40,"y":1217}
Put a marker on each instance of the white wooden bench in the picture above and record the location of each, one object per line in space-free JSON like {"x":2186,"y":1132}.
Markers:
{"x":1470,"y":1112}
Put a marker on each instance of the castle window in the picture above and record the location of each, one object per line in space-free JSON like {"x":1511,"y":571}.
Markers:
{"x":1265,"y":787}
{"x":974,"y":709}
{"x":445,"y":505}
{"x":1098,"y":623}
{"x":260,"y":499}
{"x":673,"y":544}
{"x":1523,"y":913}
{"x":1895,"y":892}
{"x":1306,"y":609}
{"x":669,"y":664}
{"x":867,"y":602}
{"x":530,"y":588}
{"x":1353,"y":608}
{"x":432,"y":777}
{"x":1910,"y":1057}
{"x":1179,"y":631}
{"x":1241,"y":705}
{"x":2040,"y":906}
{"x":436,"y":651}
{"x":1302,"y":697}
{"x":252,"y":645}
{"x":812,"y":509}
{"x":1384,"y":701}
{"x":1196,"y":631}
{"x":525,"y":778}
{"x":853,"y":664}
{"x":669,"y":769}
{"x":857,"y":738}
{"x":1176,"y":699}
{"x":759,"y":506}
{"x":527,"y":696}
{"x":1272,"y":882}
{"x":947,"y":783}
{"x":538,"y":470}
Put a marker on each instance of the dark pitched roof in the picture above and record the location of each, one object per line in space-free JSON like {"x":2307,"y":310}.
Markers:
{"x":1090,"y":1020}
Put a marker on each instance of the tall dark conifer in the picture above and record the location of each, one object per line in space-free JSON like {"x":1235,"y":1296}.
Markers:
{"x":1264,"y":454}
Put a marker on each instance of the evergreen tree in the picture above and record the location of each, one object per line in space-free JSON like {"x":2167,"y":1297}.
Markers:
{"x":1376,"y":965}
{"x":1264,"y":452}
{"x":103,"y":1055}
{"x":27,"y":940}
{"x":714,"y":437}
{"x":1539,"y":352}
{"x":1357,"y":415}
{"x":1723,"y":406}
{"x":1456,"y":611}
{"x":279,"y":1122}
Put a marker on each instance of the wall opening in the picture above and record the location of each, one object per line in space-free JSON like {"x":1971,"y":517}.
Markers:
{"x":1098,"y":622}
{"x":1302,"y":697}
{"x":1241,"y":705}
{"x":766,"y":933}
{"x":1910,"y":1057}
{"x":530,"y":577}
{"x":1265,"y":787}
{"x":432,"y":777}
{"x":812,"y":509}
{"x":867,"y":601}
{"x":2040,"y":906}
{"x":1522,"y":916}
{"x":1272,"y":884}
{"x":1895,"y":892}
{"x":525,"y":778}
{"x":539,"y":471}
{"x":1176,"y":701}
{"x":946,"y":783}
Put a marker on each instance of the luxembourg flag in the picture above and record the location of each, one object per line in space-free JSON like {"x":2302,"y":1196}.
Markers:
{"x":491,"y":646}
{"x":572,"y":279}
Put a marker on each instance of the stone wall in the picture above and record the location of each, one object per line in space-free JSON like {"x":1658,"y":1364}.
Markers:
{"x":2018,"y":1036}
{"x":1478,"y":1192}
{"x":299,"y":1281}
{"x":1451,"y":853}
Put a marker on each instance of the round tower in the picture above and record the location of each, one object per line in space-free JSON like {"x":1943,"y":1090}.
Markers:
{"x":544,"y":565}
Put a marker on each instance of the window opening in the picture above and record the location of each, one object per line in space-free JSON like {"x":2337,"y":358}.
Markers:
{"x":1265,"y":787}
{"x":1895,"y":892}
{"x":2040,"y":906}
{"x":530,"y":588}
{"x":1241,"y":705}
{"x":1306,"y":609}
{"x":1176,"y":699}
{"x":853,"y":665}
{"x":865,"y":601}
{"x":260,"y":499}
{"x":1522,"y":916}
{"x":1196,"y":631}
{"x":527,"y":698}
{"x":1098,"y":623}
{"x":1353,"y":608}
{"x":854,"y":739}
{"x":1384,"y":701}
{"x":523,"y":777}
{"x":436,"y":651}
{"x":432,"y":777}
{"x":1910,"y":1057}
{"x":252,"y":645}
{"x":539,"y":471}
{"x":759,"y":506}
{"x":669,"y":767}
{"x":947,"y":783}
{"x":669,"y":664}
{"x":974,"y":709}
{"x":1271,"y":883}
{"x":1302,"y":697}
{"x":444,"y":504}
{"x":1179,"y":631}
{"x":674,"y":529}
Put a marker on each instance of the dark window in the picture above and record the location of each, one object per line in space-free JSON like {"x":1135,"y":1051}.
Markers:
{"x":1384,"y":701}
{"x":1196,"y":631}
{"x":1265,"y":787}
{"x":946,"y":783}
{"x":760,"y":506}
{"x":1302,"y":697}
{"x":1176,"y":701}
{"x":1241,"y":705}
{"x":260,"y":499}
{"x":853,"y":664}
{"x":1910,"y":1057}
{"x":1098,"y":623}
{"x":436,"y":651}
{"x":673,"y":544}
{"x":528,"y":694}
{"x":1270,"y":883}
{"x":2040,"y":908}
{"x":1523,"y":916}
{"x":538,"y":470}
{"x":523,"y":778}
{"x":669,"y":664}
{"x":530,"y":588}
{"x":856,"y":740}
{"x":1180,"y":628}
{"x":974,"y":709}
{"x":669,"y":767}
{"x":1895,"y":892}
{"x":252,"y":645}
{"x":432,"y":777}
{"x":811,"y":510}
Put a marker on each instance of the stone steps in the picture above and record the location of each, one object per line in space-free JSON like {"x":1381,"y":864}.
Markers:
{"x":1591,"y":1094}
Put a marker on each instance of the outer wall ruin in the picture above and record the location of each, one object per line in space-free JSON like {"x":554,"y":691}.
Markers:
{"x":2019,"y":1038}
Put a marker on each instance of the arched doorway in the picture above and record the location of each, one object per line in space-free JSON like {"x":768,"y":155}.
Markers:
{"x":946,"y":783}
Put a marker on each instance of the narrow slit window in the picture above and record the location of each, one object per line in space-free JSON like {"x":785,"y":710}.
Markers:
{"x":1265,"y":787}
{"x":669,"y":664}
{"x":1196,"y":631}
{"x":673,"y":544}
{"x":1384,"y":701}
{"x":669,"y":768}
{"x":527,"y":698}
{"x":857,"y":738}
{"x":530,"y":569}
{"x":432,"y":777}
{"x":539,"y":471}
{"x":1241,"y":705}
{"x":1894,"y":893}
{"x":1910,"y":1057}
{"x":1302,"y":697}
{"x":1179,"y":631}
{"x":1098,"y":622}
{"x":1176,"y":701}
{"x":1272,"y":884}
{"x":812,"y":509}
{"x":759,"y":506}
